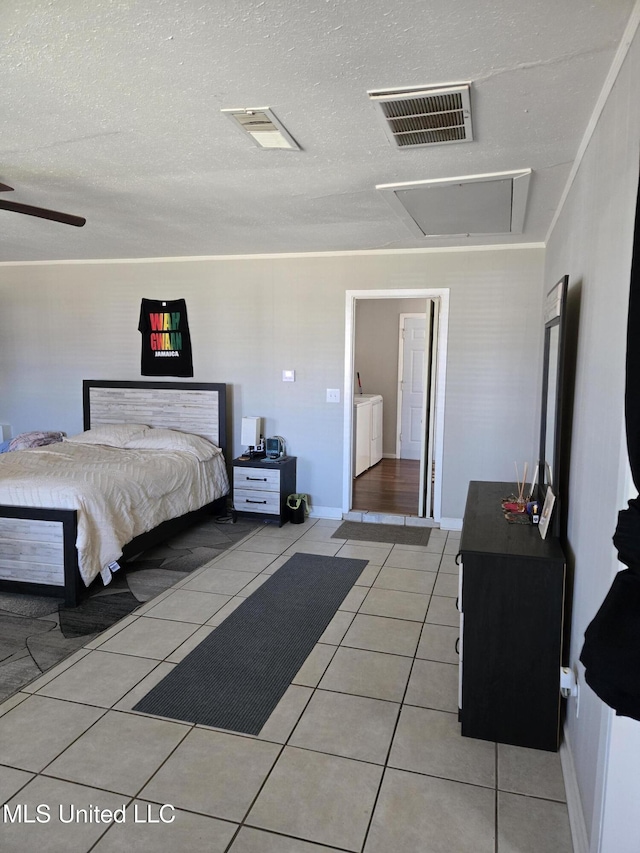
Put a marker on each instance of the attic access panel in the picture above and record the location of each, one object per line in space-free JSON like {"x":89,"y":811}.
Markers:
{"x":474,"y":205}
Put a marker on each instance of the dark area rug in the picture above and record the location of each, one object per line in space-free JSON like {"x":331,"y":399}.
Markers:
{"x":237,"y":675}
{"x":395,"y":534}
{"x":96,"y":614}
{"x":37,"y":632}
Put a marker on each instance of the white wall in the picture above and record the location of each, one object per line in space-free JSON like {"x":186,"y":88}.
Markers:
{"x":251,"y":318}
{"x":592,"y":242}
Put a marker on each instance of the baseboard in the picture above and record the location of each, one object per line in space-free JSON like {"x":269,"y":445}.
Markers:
{"x":574,"y":803}
{"x":325,"y":512}
{"x":451,"y":523}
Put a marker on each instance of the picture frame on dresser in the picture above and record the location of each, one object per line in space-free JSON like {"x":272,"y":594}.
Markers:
{"x":547,"y":511}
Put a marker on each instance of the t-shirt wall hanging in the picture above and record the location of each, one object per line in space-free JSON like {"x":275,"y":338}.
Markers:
{"x":166,"y":344}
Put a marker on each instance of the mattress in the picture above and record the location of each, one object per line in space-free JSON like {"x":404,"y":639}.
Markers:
{"x":118,"y":492}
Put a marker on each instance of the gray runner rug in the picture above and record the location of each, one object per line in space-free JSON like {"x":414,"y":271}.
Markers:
{"x":237,"y":675}
{"x":396,"y":534}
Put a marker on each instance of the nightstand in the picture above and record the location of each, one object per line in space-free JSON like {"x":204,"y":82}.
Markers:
{"x":261,"y":487}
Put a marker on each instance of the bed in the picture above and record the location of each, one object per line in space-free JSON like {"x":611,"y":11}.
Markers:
{"x":158,"y":471}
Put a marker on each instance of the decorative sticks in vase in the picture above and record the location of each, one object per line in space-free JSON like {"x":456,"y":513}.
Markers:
{"x":517,"y":508}
{"x":521,"y":499}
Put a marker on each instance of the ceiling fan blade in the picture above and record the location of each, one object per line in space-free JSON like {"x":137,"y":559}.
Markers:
{"x":43,"y":213}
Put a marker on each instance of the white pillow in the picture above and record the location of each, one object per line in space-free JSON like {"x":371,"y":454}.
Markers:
{"x":171,"y":439}
{"x":114,"y":435}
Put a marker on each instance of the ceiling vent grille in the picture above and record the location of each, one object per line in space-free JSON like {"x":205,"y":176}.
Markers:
{"x":262,"y":126}
{"x":425,"y":115}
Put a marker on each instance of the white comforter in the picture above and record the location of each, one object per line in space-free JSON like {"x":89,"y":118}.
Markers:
{"x":119,"y":493}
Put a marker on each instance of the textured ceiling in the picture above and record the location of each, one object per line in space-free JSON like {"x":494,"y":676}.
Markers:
{"x":111,"y":110}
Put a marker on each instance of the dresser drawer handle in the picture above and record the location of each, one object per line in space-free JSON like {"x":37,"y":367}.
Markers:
{"x":257,"y":479}
{"x":254,"y":502}
{"x":457,"y":646}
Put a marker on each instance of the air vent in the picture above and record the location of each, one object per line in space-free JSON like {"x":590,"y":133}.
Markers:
{"x":425,"y":115}
{"x":263,"y":127}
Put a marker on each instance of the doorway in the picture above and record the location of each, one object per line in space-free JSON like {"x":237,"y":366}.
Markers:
{"x":390,"y":479}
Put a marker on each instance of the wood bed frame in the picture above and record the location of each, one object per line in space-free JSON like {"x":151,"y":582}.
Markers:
{"x":37,"y":546}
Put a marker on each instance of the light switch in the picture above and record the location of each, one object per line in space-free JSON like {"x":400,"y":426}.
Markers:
{"x":333,"y":395}
{"x":288,"y":376}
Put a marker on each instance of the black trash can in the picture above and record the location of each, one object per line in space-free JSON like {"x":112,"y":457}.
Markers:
{"x":297,"y":506}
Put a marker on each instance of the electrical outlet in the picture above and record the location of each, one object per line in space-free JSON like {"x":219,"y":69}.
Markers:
{"x":333,"y":395}
{"x":570,"y":685}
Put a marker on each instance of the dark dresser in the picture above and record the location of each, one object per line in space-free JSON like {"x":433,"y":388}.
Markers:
{"x":511,"y":602}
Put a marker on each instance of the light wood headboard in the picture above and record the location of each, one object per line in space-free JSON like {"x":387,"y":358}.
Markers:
{"x":197,"y":407}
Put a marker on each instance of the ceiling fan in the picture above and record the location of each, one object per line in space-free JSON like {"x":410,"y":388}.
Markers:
{"x":42,"y":212}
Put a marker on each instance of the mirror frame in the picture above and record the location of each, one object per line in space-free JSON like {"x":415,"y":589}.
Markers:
{"x":554,"y":315}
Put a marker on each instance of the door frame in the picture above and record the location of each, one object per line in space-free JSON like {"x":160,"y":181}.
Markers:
{"x":441,"y":295}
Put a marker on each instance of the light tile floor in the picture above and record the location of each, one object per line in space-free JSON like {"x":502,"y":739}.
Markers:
{"x":362,"y":754}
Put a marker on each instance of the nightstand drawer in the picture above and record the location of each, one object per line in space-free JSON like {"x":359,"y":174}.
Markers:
{"x":254,"y":500}
{"x":256,"y":479}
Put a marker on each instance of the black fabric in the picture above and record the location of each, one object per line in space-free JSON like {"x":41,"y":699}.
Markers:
{"x":611,"y":650}
{"x":238,"y":674}
{"x":632,"y":388}
{"x":166,"y":342}
{"x":627,"y":536}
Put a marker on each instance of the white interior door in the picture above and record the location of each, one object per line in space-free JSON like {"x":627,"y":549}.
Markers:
{"x":411,"y":385}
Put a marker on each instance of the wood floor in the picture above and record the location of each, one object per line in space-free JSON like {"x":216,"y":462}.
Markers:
{"x":390,"y":486}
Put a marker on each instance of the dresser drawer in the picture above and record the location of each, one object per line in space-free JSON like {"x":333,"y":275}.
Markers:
{"x":254,"y":500}
{"x":256,"y":479}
